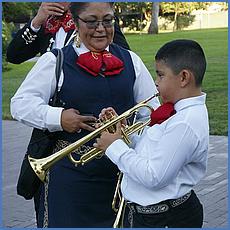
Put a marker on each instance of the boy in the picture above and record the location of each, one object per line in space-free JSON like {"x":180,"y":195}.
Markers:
{"x":169,"y":158}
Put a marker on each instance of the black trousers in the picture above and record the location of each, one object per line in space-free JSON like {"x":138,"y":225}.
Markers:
{"x":186,"y":215}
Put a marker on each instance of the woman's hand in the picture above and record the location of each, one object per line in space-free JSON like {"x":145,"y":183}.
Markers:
{"x":106,"y":138}
{"x":45,"y":10}
{"x":72,"y":121}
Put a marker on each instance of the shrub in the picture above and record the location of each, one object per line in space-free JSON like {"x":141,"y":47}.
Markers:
{"x":7,"y":29}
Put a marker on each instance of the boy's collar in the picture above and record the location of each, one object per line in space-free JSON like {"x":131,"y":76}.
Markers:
{"x":190,"y":101}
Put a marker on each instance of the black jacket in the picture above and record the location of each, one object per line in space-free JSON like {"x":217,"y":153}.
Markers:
{"x":27,"y":44}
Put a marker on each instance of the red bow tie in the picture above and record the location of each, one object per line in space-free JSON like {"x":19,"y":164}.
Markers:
{"x":162,"y":113}
{"x":53,"y":23}
{"x":100,"y":63}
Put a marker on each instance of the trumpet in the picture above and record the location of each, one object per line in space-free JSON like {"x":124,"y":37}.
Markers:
{"x":41,"y":166}
{"x":121,"y":203}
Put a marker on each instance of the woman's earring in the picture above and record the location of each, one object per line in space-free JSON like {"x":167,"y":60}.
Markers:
{"x":77,"y":40}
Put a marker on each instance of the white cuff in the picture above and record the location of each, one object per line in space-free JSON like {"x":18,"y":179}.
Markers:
{"x":116,"y":150}
{"x":34,"y":29}
{"x":53,"y":119}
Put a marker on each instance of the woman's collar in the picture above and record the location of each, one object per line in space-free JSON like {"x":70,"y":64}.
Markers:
{"x":82,"y":49}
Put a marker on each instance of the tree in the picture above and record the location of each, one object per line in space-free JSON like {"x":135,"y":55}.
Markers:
{"x":153,"y":28}
{"x":19,"y":12}
{"x":179,"y":12}
{"x":7,"y":29}
{"x":133,"y":14}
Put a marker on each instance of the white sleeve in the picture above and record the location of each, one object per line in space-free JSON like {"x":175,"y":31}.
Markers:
{"x":156,"y":163}
{"x":144,"y":85}
{"x":29,"y":105}
{"x":34,"y":29}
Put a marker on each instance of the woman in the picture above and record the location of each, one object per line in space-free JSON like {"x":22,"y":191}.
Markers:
{"x":82,"y":196}
{"x":52,"y":27}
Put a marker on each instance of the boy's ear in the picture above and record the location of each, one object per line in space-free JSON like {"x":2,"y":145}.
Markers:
{"x":185,"y":76}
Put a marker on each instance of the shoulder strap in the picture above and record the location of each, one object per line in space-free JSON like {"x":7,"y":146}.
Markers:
{"x":58,"y":69}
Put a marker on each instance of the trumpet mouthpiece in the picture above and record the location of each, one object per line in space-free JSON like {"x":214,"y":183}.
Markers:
{"x":150,"y":98}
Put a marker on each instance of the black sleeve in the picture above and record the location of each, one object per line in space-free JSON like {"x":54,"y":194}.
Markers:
{"x":119,"y":37}
{"x":26,"y":44}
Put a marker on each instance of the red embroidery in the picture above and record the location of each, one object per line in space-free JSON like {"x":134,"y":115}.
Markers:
{"x":53,"y":23}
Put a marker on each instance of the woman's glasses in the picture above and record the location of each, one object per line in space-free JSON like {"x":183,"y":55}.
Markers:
{"x":93,"y":24}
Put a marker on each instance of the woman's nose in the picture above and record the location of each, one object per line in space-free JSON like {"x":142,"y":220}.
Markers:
{"x":100,"y":26}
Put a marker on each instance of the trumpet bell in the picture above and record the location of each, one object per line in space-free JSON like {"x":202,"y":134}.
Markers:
{"x":37,"y":166}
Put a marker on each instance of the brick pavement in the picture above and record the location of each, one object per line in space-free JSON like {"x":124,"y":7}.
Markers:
{"x":17,"y":212}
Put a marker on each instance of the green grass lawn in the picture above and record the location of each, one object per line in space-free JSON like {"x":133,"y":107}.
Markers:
{"x":11,"y":80}
{"x":214,"y":43}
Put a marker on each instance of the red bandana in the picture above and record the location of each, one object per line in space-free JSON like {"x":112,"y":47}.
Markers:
{"x":53,"y":23}
{"x":104,"y":63}
{"x":162,"y":113}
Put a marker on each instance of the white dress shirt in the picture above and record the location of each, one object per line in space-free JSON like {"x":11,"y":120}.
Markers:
{"x":168,"y":159}
{"x":30,"y":103}
{"x":60,"y":37}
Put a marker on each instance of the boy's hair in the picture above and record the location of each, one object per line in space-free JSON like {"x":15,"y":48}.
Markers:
{"x":184,"y":54}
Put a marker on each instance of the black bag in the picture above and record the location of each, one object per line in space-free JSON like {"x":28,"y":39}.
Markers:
{"x":41,"y":145}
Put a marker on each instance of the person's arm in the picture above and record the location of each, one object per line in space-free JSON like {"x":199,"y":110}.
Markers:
{"x":158,"y":156}
{"x":29,"y":40}
{"x":24,"y":45}
{"x":29,"y":105}
{"x":119,"y":37}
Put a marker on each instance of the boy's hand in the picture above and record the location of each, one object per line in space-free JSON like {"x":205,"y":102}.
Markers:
{"x":106,"y":138}
{"x":108,"y":113}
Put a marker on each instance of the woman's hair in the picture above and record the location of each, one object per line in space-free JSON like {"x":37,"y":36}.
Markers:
{"x":184,"y":54}
{"x":77,"y":7}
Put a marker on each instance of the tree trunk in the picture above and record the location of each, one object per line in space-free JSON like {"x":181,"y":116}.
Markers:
{"x":153,"y":28}
{"x":175,"y":17}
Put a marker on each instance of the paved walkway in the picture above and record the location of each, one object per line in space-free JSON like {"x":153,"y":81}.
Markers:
{"x":19,"y":213}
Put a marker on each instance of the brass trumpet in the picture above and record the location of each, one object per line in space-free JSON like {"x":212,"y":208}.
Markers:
{"x":121,"y":203}
{"x":41,"y":166}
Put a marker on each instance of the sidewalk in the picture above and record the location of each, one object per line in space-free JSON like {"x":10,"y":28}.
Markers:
{"x":17,"y":212}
